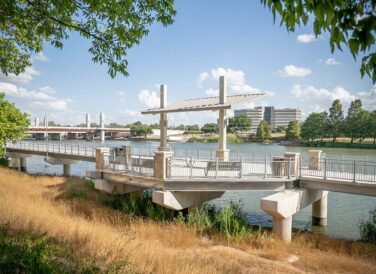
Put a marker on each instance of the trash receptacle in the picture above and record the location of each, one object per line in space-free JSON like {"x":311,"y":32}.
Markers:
{"x":278,"y":166}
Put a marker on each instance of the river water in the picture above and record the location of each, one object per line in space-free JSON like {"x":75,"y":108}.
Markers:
{"x":345,"y":211}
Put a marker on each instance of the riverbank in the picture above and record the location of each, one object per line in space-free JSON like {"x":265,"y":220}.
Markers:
{"x":70,"y":212}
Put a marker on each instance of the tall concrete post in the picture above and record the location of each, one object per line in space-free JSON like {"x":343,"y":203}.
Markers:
{"x":101,"y":123}
{"x":163,"y":153}
{"x":87,"y":120}
{"x":282,"y":228}
{"x":36,"y":121}
{"x":23,"y":164}
{"x":320,"y":211}
{"x":163,"y":123}
{"x":222,"y":152}
{"x":67,"y":169}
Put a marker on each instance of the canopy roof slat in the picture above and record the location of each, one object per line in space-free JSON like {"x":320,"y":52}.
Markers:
{"x":204,"y":104}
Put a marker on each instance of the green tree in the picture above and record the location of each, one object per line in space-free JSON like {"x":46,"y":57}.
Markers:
{"x":372,"y":126}
{"x":112,"y":27}
{"x":336,"y":120}
{"x":13,"y":123}
{"x":141,"y":130}
{"x":313,"y":127}
{"x":293,"y":130}
{"x":239,"y":123}
{"x":115,"y":125}
{"x":281,"y":129}
{"x":348,"y":22}
{"x":264,"y":131}
{"x":210,"y":128}
{"x":192,"y":127}
{"x":53,"y":124}
{"x":354,"y":120}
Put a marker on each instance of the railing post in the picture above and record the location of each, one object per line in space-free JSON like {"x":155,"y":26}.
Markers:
{"x":216,"y":167}
{"x":190,"y":167}
{"x":241,"y":167}
{"x":354,"y":174}
{"x":289,"y":167}
{"x":139,"y":164}
{"x":325,"y":168}
{"x":265,"y":168}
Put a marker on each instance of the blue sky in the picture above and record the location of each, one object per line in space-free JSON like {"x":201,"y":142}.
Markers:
{"x":208,"y":38}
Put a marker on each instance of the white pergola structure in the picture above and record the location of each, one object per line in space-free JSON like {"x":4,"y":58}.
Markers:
{"x":221,"y":103}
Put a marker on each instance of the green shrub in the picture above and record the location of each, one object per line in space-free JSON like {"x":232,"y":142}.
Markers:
{"x":228,"y":220}
{"x":26,"y":253}
{"x":368,"y":228}
{"x":73,"y":193}
{"x":4,"y":162}
{"x":234,"y":139}
{"x":89,"y":183}
{"x":139,"y":206}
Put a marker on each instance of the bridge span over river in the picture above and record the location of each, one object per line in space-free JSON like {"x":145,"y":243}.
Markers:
{"x":187,"y":178}
{"x":181,"y":179}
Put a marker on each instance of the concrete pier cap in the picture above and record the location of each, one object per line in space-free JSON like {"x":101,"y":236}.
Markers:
{"x":283,"y":205}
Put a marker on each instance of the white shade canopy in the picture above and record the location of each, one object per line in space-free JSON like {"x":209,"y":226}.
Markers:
{"x":202,"y":104}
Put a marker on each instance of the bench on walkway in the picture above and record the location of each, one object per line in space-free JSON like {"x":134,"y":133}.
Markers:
{"x":223,"y":166}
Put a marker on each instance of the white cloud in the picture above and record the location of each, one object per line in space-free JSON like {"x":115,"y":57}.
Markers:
{"x":40,"y":56}
{"x":331,"y":61}
{"x":236,"y":81}
{"x":22,"y":78}
{"x":149,"y":98}
{"x":37,"y":100}
{"x":293,"y":71}
{"x":319,"y":99}
{"x":306,"y":38}
{"x":48,"y":89}
{"x":202,"y":77}
{"x":368,"y":98}
{"x":212,"y":92}
{"x":132,"y":113}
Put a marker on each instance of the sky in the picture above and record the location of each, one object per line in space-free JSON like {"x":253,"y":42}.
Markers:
{"x":208,"y":39}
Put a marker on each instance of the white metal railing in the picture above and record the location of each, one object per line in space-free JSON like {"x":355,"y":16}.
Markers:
{"x":348,"y":170}
{"x":259,"y":168}
{"x":135,"y":164}
{"x":55,"y":148}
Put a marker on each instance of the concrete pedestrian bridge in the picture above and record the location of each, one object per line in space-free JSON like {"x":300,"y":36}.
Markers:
{"x":181,"y":178}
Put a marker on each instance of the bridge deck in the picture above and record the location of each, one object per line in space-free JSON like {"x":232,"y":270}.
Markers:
{"x":187,"y":174}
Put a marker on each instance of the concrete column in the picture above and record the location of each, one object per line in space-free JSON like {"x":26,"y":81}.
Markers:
{"x":293,"y":158}
{"x":222,"y":152}
{"x":67,"y":169}
{"x":36,"y":122}
{"x":101,"y":123}
{"x":282,"y":228}
{"x":23,"y":164}
{"x":102,"y":155}
{"x":320,"y":211}
{"x":314,"y":159}
{"x":160,"y":164}
{"x":15,"y":163}
{"x":163,"y":123}
{"x":87,"y":120}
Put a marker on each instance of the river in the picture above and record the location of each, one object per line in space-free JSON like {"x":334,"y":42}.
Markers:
{"x":345,"y":211}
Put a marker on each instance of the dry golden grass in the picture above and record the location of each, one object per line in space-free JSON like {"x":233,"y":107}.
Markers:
{"x":38,"y":204}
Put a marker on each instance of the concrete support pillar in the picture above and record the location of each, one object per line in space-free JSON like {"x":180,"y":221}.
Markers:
{"x":283,"y":205}
{"x":163,"y":123}
{"x":102,"y":155}
{"x":87,"y":120}
{"x":282,"y":228}
{"x":314,"y":159}
{"x":222,"y":152}
{"x":36,"y":122}
{"x":23,"y":164}
{"x":67,"y":169}
{"x":15,"y":163}
{"x":160,"y":164}
{"x":101,"y":123}
{"x":293,"y":162}
{"x":178,"y":200}
{"x":320,"y":211}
